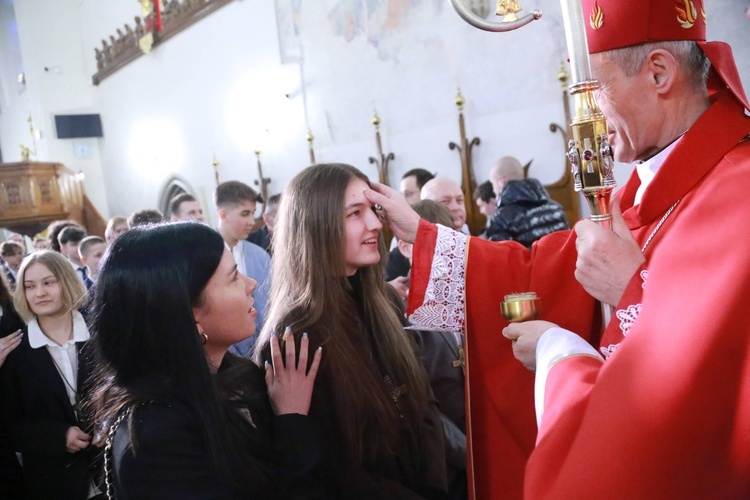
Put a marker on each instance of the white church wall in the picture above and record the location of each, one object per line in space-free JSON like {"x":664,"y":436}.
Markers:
{"x":57,"y":83}
{"x":212,"y":90}
{"x":219,"y":89}
{"x":410,"y":65}
{"x":15,"y":105}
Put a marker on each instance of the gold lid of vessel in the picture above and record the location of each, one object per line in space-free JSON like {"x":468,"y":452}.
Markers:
{"x":519,"y":307}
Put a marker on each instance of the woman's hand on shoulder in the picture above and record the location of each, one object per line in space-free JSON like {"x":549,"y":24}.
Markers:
{"x":290,"y":384}
{"x":8,"y":344}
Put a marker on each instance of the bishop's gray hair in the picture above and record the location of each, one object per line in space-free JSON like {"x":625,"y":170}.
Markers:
{"x":689,"y":56}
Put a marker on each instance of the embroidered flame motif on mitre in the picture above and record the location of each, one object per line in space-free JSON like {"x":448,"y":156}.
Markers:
{"x":703,"y":15}
{"x":686,"y":13}
{"x":596,"y":20}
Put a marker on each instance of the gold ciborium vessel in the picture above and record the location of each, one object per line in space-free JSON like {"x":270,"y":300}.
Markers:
{"x":519,"y":307}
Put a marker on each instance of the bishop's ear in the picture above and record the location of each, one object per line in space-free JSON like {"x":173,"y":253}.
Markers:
{"x":662,"y":68}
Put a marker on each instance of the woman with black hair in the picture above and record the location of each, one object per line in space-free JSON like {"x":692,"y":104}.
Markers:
{"x":184,"y":419}
{"x":11,"y":324}
{"x":11,"y":334}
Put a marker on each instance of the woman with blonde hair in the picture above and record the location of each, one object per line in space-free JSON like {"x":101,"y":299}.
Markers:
{"x":45,"y":378}
{"x":372,"y":401}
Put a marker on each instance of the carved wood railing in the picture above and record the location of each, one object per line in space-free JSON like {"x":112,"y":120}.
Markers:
{"x":93,"y":221}
{"x":126,"y":47}
{"x":33,"y":194}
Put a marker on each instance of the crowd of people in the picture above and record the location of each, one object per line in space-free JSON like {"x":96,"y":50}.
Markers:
{"x":306,"y":359}
{"x":131,"y":370}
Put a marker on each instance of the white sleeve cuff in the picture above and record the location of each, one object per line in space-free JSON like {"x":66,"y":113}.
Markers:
{"x":555,"y":344}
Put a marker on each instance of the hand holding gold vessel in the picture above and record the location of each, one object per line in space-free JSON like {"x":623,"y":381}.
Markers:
{"x":524,"y":338}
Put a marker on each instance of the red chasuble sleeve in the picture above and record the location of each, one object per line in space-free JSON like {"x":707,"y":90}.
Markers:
{"x":501,"y":424}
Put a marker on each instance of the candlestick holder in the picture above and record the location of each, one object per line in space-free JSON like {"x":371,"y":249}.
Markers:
{"x":382,"y":160}
{"x":474,"y":218}
{"x":310,"y":138}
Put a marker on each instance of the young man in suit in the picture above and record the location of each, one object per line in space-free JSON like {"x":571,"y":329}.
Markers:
{"x":70,"y":238}
{"x":91,"y":250}
{"x":235,"y":203}
{"x":185,"y":207}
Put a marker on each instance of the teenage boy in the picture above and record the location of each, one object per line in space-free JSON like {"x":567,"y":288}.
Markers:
{"x":262,"y":237}
{"x":91,"y":250}
{"x":12,"y":254}
{"x":235,"y":204}
{"x":185,"y":207}
{"x":69,"y":239}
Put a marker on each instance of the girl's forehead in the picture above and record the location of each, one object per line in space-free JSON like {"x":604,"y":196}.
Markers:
{"x":354,"y":189}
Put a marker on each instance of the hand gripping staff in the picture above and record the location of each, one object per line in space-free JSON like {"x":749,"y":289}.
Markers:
{"x":590,"y":154}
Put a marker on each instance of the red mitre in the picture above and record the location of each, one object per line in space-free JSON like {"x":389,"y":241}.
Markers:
{"x":613,"y":24}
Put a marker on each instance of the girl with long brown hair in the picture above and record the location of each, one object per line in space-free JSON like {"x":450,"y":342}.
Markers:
{"x":372,"y":401}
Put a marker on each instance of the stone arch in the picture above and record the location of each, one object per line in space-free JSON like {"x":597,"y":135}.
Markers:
{"x":174,"y":186}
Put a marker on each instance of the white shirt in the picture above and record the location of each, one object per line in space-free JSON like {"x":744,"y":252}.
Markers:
{"x":554,"y":345}
{"x":80,"y":270}
{"x":239,"y":258}
{"x":64,"y":356}
{"x":646,"y":170}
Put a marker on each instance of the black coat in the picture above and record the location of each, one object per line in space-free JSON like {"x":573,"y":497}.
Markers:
{"x":402,"y":474}
{"x":10,"y":469}
{"x":36,"y":414}
{"x":439,"y":353}
{"x":525,"y":213}
{"x":10,"y":321}
{"x":171,"y":459}
{"x":397,"y":265}
{"x":415,"y":469}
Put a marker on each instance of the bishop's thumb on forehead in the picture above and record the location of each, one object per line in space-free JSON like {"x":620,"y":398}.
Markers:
{"x":375,"y":197}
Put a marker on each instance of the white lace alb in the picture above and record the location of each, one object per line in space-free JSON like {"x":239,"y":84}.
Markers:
{"x":444,"y":306}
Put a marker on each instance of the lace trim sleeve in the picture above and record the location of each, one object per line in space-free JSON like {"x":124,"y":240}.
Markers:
{"x":445,"y":297}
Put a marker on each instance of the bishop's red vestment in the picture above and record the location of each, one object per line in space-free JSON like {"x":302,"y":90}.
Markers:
{"x":669,"y":413}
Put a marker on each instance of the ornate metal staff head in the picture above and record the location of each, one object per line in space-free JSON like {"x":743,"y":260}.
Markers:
{"x":506,"y":8}
{"x":590,"y":154}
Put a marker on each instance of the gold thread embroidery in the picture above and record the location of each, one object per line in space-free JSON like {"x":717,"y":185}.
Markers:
{"x":596,"y":20}
{"x":686,"y":13}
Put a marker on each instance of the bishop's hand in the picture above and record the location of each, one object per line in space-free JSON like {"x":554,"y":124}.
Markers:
{"x":524,"y":337}
{"x":402,"y":219}
{"x":607,"y":260}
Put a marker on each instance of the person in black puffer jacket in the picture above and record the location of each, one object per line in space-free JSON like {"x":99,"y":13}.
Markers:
{"x":525,"y":212}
